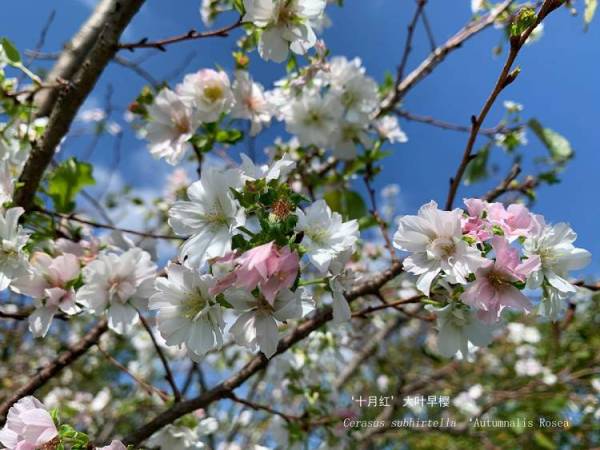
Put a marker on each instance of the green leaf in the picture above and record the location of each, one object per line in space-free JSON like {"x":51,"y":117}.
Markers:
{"x":11,"y":51}
{"x":590,"y":10}
{"x":66,"y":181}
{"x":558,"y":146}
{"x":348,"y":203}
{"x":229,"y":136}
{"x":477,"y":168}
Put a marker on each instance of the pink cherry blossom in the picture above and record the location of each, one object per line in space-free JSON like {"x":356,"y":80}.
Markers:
{"x":514,"y":221}
{"x":267,"y":266}
{"x":493,"y":288}
{"x":28,"y":426}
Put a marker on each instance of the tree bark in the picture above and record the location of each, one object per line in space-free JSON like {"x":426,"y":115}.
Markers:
{"x":81,"y":64}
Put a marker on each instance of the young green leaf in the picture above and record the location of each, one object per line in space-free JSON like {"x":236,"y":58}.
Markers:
{"x":477,"y":168}
{"x":558,"y":146}
{"x":66,"y":181}
{"x":11,"y":51}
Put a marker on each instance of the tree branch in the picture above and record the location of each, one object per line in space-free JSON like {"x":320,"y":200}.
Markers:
{"x":63,"y":360}
{"x":505,"y":78}
{"x":107,"y":226}
{"x":439,"y":54}
{"x":100,"y":34}
{"x":259,"y":362}
{"x":189,"y":36}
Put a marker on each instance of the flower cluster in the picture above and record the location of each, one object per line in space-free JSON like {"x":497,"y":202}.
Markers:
{"x":202,"y":98}
{"x":332,"y":105}
{"x":477,"y":263}
{"x":246,"y":236}
{"x":336,"y":108}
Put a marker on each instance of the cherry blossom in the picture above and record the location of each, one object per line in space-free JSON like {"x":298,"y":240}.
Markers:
{"x":188,"y":315}
{"x":13,"y":262}
{"x":120,"y":282}
{"x":435,"y":240}
{"x":172,"y":124}
{"x":325,"y":235}
{"x":50,"y":283}
{"x":286,"y":24}
{"x":457,"y":327}
{"x":250,"y":102}
{"x":257,"y":325}
{"x":209,"y":218}
{"x":207,"y":91}
{"x":267,"y":266}
{"x":493,"y":289}
{"x":28,"y":426}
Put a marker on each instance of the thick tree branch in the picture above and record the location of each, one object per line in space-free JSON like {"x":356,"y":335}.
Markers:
{"x":259,"y":362}
{"x":63,"y":360}
{"x":100,"y":35}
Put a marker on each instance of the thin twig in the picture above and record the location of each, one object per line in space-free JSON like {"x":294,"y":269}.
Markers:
{"x":258,"y":407}
{"x":259,"y":362}
{"x":189,"y":36}
{"x":506,"y":77}
{"x":429,"y":120}
{"x":168,"y":374}
{"x":372,"y":309}
{"x":428,"y":29}
{"x":383,"y":226}
{"x":106,"y":226}
{"x":143,"y":384}
{"x":52,"y":369}
{"x":438,"y":55}
{"x":408,"y":42}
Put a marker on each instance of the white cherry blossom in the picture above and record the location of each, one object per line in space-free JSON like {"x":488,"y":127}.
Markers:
{"x":558,"y":256}
{"x":257,"y":324}
{"x":286,"y":25}
{"x":209,"y":92}
{"x":209,"y":218}
{"x":250,"y":102}
{"x":434,"y":237}
{"x":457,"y":327}
{"x":278,"y":170}
{"x":120,"y":282}
{"x":325,"y":235}
{"x":172,"y":123}
{"x":13,"y":262}
{"x":50,"y":284}
{"x":188,"y":316}
{"x":314,"y":118}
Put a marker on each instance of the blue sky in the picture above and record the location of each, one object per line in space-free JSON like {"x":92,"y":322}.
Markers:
{"x":558,"y":85}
